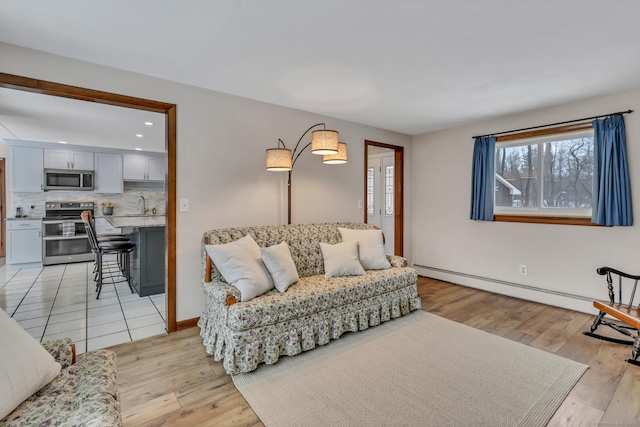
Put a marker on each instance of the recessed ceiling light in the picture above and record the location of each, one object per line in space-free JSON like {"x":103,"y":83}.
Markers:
{"x":138,"y":149}
{"x":63,"y":142}
{"x":139,"y":135}
{"x":148,"y":123}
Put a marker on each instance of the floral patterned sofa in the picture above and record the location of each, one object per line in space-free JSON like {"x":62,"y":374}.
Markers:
{"x":311,"y":312}
{"x":85,"y":393}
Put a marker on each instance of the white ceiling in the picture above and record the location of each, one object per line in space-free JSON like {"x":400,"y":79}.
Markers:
{"x":407,"y":66}
{"x":35,"y":117}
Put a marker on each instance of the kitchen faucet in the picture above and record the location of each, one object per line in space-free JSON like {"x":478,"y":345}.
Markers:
{"x":144,"y":205}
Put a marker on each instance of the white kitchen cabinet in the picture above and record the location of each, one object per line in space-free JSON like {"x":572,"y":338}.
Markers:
{"x":68,"y":159}
{"x":135,"y":167}
{"x":155,"y":169}
{"x":143,"y":168}
{"x":24,"y":241}
{"x":108,"y":173}
{"x":26,"y":169}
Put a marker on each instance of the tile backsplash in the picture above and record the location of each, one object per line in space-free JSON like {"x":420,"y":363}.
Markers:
{"x":126,"y":203}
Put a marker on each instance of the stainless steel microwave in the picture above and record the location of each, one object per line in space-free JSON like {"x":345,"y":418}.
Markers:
{"x":68,"y":180}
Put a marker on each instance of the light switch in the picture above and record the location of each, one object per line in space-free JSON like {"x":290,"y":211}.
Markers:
{"x":184,"y":205}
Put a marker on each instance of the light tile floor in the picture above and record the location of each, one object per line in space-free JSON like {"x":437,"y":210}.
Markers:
{"x":59,"y":301}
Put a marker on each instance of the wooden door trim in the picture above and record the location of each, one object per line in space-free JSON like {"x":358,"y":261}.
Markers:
{"x":74,"y":92}
{"x":398,"y":198}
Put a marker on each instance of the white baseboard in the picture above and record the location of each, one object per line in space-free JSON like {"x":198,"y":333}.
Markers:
{"x":552,"y":297}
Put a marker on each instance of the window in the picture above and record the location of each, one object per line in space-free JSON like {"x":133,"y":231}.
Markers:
{"x":550,"y":175}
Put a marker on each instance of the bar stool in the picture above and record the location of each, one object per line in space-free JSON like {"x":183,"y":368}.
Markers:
{"x":121,"y":272}
{"x":104,"y":238}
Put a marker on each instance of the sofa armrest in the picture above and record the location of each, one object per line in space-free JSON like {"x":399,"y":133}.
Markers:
{"x":397,"y":261}
{"x":222,"y":293}
{"x":62,"y":350}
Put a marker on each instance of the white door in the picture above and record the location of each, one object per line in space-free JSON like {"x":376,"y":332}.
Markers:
{"x":380,"y":196}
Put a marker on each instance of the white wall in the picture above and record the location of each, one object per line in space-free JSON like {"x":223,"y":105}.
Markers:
{"x":221,"y":154}
{"x":559,"y":258}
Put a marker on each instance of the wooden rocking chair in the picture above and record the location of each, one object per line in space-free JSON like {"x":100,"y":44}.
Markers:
{"x":627,"y":314}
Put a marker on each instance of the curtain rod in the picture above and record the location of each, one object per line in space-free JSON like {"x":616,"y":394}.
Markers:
{"x":553,"y":124}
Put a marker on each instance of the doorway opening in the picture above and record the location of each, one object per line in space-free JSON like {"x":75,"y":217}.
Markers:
{"x":56,"y":89}
{"x":3,"y":212}
{"x":383,"y":192}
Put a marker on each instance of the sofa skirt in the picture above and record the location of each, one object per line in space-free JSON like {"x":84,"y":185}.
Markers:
{"x":243,"y":351}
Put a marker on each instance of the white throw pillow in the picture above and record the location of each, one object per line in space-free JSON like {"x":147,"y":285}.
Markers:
{"x":280,"y":264}
{"x":371,"y":247}
{"x":341,"y":260}
{"x":25,"y":366}
{"x":240,"y":263}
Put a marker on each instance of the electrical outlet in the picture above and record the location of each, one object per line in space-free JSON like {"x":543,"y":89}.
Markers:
{"x":523,"y":270}
{"x":359,"y":203}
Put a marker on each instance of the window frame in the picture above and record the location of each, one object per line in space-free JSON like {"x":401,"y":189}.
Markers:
{"x":542,"y":215}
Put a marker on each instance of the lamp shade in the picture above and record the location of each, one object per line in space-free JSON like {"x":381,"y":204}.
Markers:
{"x":336,"y":159}
{"x":279,"y":159}
{"x":324,"y":142}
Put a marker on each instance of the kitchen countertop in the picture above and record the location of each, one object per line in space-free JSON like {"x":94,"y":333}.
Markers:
{"x":136,"y":221}
{"x":23,"y":218}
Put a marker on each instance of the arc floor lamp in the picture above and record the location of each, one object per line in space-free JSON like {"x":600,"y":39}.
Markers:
{"x":324,"y":142}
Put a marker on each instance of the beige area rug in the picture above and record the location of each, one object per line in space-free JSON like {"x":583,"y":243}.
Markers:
{"x":416,"y":370}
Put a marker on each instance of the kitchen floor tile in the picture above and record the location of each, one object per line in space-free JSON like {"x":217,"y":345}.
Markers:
{"x":70,"y":300}
{"x":59,"y":301}
{"x":108,"y":340}
{"x":103,"y":301}
{"x":106,"y":329}
{"x":81,"y":347}
{"x":65,"y":317}
{"x":33,"y":323}
{"x":148,"y":331}
{"x":129,"y":297}
{"x":96,"y":311}
{"x":75,"y":335}
{"x":67,"y":308}
{"x":34,"y":299}
{"x":24,"y":314}
{"x":9,"y":308}
{"x":36,"y":331}
{"x":94,"y":320}
{"x":69,"y":325}
{"x":136,"y":303}
{"x":141,"y":311}
{"x":36,"y":306}
{"x":149,"y":319}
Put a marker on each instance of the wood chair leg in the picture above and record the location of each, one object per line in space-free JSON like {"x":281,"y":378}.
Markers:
{"x":636,"y":351}
{"x":597,"y":321}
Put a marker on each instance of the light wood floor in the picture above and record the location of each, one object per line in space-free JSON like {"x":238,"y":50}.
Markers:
{"x":170,"y":380}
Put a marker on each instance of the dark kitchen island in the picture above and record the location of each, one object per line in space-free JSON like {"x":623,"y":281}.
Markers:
{"x":148,"y":259}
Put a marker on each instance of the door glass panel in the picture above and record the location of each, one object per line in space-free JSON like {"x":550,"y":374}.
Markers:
{"x":388,"y":190}
{"x":370,"y":191}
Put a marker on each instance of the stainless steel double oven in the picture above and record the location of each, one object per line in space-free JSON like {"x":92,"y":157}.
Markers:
{"x":64,"y":237}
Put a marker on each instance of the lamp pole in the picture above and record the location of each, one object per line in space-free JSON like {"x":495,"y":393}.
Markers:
{"x":295,"y":158}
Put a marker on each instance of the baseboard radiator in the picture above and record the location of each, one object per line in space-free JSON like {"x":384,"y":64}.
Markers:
{"x":506,"y":283}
